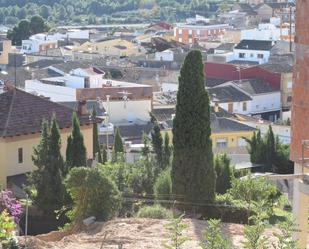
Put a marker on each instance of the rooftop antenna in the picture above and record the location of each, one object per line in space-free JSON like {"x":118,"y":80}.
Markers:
{"x":125,"y":97}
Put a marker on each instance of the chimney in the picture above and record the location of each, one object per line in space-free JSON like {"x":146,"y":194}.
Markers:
{"x":82,"y":107}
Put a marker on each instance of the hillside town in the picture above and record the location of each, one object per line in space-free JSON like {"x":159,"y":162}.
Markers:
{"x":201,"y":122}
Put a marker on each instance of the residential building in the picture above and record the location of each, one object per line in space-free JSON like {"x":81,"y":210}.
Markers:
{"x":166,"y":55}
{"x":21,"y":116}
{"x":190,"y":34}
{"x":5,"y":50}
{"x":114,"y":47}
{"x":264,"y":11}
{"x":253,"y":51}
{"x":265,"y":32}
{"x":37,"y":43}
{"x":248,"y":96}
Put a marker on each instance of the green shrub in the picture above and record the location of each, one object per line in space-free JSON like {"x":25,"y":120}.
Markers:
{"x":224,"y":173}
{"x":155,"y":212}
{"x":93,"y":194}
{"x":163,"y":185}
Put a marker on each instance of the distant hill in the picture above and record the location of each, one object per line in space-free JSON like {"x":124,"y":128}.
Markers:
{"x":106,"y":11}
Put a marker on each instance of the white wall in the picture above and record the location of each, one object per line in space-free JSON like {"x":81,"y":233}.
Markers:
{"x":75,"y":81}
{"x":55,"y":93}
{"x":265,"y":34}
{"x":238,"y":107}
{"x":166,"y":55}
{"x":131,"y":111}
{"x":266,"y":102}
{"x":252,"y":55}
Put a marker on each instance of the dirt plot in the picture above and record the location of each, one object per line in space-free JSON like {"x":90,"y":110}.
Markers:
{"x":131,"y":233}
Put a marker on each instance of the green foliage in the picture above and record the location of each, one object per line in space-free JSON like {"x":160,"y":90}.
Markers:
{"x":95,"y":138}
{"x":154,"y":212}
{"x":193,"y":173}
{"x":163,"y":185}
{"x":76,"y":150}
{"x":7,"y":226}
{"x":285,"y":236}
{"x":270,"y":152}
{"x":26,"y":28}
{"x":146,"y":148}
{"x":93,"y":194}
{"x":224,"y":173}
{"x":118,"y":145}
{"x":157,"y":144}
{"x":167,"y":150}
{"x":104,"y":155}
{"x":254,"y":190}
{"x":176,"y":228}
{"x":46,"y":179}
{"x":213,"y":237}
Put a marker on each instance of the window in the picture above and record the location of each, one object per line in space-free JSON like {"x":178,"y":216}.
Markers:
{"x":190,"y":32}
{"x":290,"y":84}
{"x":180,"y":31}
{"x":244,"y":106}
{"x":242,"y":55}
{"x":230,"y":107}
{"x":289,"y":99}
{"x":260,"y":56}
{"x":251,"y":55}
{"x":20,"y":155}
{"x":221,"y":143}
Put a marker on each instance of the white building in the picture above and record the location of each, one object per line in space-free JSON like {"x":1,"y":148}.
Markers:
{"x":38,"y":43}
{"x":253,"y":51}
{"x":248,"y":97}
{"x":166,"y":55}
{"x":264,"y":32}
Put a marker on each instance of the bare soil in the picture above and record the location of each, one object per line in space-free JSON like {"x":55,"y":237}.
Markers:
{"x":131,"y":233}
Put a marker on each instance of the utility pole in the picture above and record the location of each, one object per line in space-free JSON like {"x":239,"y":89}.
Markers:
{"x":290,"y":28}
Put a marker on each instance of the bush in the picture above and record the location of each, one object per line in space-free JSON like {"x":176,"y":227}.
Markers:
{"x":224,"y":173}
{"x":155,"y":212}
{"x":93,"y":194}
{"x":163,"y":185}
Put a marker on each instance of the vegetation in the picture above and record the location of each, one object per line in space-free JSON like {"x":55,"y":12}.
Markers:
{"x":46,"y":180}
{"x":95,"y":138}
{"x":24,"y":29}
{"x":213,"y":238}
{"x":157,"y":145}
{"x":167,"y":150}
{"x":76,"y":150}
{"x":104,"y":11}
{"x":155,"y":212}
{"x":176,"y":228}
{"x":118,"y":146}
{"x":163,"y":185}
{"x":193,"y":173}
{"x":7,"y":227}
{"x":93,"y":194}
{"x":224,"y":173}
{"x":269,"y":151}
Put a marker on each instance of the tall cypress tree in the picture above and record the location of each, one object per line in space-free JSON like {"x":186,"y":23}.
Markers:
{"x":270,"y":148}
{"x":47,"y":178}
{"x":157,"y":144}
{"x":193,"y":173}
{"x":166,"y":150}
{"x":76,"y":150}
{"x":118,"y":145}
{"x":95,"y":137}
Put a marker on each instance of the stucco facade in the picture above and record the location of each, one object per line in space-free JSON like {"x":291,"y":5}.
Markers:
{"x":10,"y":147}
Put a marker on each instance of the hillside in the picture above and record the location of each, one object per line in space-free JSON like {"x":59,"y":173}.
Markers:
{"x":132,"y":233}
{"x":104,"y":11}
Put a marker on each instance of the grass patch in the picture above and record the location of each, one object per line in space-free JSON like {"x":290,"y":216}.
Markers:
{"x":155,"y":212}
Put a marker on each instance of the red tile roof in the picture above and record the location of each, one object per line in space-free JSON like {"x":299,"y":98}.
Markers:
{"x":22,"y":113}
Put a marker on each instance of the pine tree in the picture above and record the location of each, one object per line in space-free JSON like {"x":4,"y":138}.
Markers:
{"x":157,"y":144}
{"x":47,"y":178}
{"x":193,"y":173}
{"x":270,"y":148}
{"x":166,"y":150}
{"x":77,"y":150}
{"x":95,"y":137}
{"x":118,"y":145}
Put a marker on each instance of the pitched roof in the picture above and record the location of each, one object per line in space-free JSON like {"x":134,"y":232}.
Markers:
{"x":22,"y":113}
{"x":255,"y":86}
{"x":254,"y":45}
{"x":221,"y":125}
{"x":43,"y":63}
{"x":226,"y":46}
{"x":225,"y":94}
{"x":278,"y":68}
{"x":212,"y":82}
{"x":67,"y":67}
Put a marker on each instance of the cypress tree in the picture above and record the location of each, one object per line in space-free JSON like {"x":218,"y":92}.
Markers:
{"x":104,"y":155}
{"x":47,"y":178}
{"x":69,"y":155}
{"x":145,"y":150}
{"x":193,"y":173}
{"x":270,"y":148}
{"x":78,"y":149}
{"x":157,"y":144}
{"x":95,"y":137}
{"x":166,"y":150}
{"x":118,"y":145}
